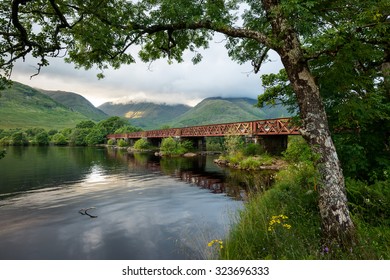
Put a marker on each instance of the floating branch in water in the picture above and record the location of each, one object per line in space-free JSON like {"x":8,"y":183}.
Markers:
{"x":84,"y":211}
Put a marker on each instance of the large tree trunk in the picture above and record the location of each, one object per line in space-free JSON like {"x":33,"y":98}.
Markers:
{"x":337,"y":226}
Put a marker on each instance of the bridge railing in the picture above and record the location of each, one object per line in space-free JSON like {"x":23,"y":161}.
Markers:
{"x":281,"y":126}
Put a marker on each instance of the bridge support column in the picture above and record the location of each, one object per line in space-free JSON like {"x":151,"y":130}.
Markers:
{"x":155,"y":142}
{"x":199,"y":143}
{"x":274,"y":144}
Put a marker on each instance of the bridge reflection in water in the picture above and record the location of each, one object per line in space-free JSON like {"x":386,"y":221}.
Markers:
{"x":200,"y":171}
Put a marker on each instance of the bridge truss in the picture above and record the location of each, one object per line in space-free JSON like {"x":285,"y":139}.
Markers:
{"x":281,"y":126}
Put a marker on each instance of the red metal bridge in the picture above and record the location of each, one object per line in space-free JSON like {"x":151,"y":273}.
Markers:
{"x":272,"y":132}
{"x":281,"y":126}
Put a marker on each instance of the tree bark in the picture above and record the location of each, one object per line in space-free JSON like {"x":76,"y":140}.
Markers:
{"x":337,"y":226}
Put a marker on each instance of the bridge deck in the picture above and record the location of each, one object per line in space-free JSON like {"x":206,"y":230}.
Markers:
{"x":281,"y":126}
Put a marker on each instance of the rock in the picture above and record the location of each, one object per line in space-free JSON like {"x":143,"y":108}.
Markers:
{"x":189,"y":155}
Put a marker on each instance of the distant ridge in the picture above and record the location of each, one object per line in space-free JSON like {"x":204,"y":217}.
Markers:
{"x":224,"y":110}
{"x":77,"y":103}
{"x":147,"y":115}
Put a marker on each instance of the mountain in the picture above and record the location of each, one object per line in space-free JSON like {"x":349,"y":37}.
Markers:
{"x":24,"y":107}
{"x":225,"y":110}
{"x":146,"y":115}
{"x":77,"y":103}
{"x":149,"y":115}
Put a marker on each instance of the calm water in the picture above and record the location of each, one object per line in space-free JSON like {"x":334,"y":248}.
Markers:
{"x":146,"y":207}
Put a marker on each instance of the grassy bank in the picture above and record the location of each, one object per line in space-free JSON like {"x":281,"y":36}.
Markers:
{"x":284,"y":222}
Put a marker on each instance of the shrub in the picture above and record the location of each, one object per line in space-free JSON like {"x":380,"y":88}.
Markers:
{"x":169,"y":146}
{"x":185,"y":146}
{"x":59,"y":139}
{"x":142,"y":144}
{"x":5,"y":141}
{"x":233,"y":144}
{"x":371,"y":203}
{"x":96,"y":136}
{"x":214,"y":143}
{"x":19,"y":139}
{"x":42,"y":138}
{"x":299,"y":151}
{"x":252,"y":149}
{"x":111,"y":142}
{"x":122,"y":143}
{"x":79,"y":136}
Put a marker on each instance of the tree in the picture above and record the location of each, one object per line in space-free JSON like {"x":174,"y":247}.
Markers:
{"x":349,"y":59}
{"x":19,"y":139}
{"x":85,"y":124}
{"x":127,"y":129}
{"x":102,"y":33}
{"x":96,"y":136}
{"x":59,"y":139}
{"x":42,"y":138}
{"x":112,"y":124}
{"x":79,"y":136}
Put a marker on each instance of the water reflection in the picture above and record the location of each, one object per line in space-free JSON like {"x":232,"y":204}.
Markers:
{"x":201,"y":171}
{"x":147,"y":207}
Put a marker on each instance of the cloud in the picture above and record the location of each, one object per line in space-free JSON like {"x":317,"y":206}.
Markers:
{"x":216,"y":75}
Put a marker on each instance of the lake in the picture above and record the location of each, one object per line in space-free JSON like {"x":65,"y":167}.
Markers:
{"x":139,"y":206}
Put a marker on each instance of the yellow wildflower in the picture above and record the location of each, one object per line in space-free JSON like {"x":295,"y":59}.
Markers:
{"x":278,"y":220}
{"x":211,"y":243}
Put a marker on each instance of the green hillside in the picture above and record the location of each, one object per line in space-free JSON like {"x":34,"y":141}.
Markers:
{"x":77,"y":103}
{"x":225,"y":110}
{"x":211,"y":110}
{"x":146,"y":115}
{"x":24,"y":107}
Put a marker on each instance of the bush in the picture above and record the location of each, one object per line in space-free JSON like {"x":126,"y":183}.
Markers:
{"x":370,"y":203}
{"x":214,"y":143}
{"x":59,"y":139}
{"x":122,"y":143}
{"x":79,"y":136}
{"x":111,"y":142}
{"x":185,"y":146}
{"x":142,"y":144}
{"x":233,"y":144}
{"x":5,"y":141}
{"x":42,"y":138}
{"x":171,"y":147}
{"x":96,"y":136}
{"x":299,"y":151}
{"x":252,"y":149}
{"x":19,"y":139}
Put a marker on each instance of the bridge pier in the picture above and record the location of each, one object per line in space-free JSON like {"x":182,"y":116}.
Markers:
{"x":155,"y":142}
{"x":273,"y":144}
{"x":198,"y":143}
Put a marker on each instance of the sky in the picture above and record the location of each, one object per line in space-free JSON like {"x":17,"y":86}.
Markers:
{"x":185,"y":83}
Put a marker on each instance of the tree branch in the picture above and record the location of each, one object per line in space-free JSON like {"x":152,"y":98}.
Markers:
{"x":227,"y":30}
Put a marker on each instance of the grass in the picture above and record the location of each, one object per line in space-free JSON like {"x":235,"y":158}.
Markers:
{"x":261,"y":233}
{"x":239,"y":161}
